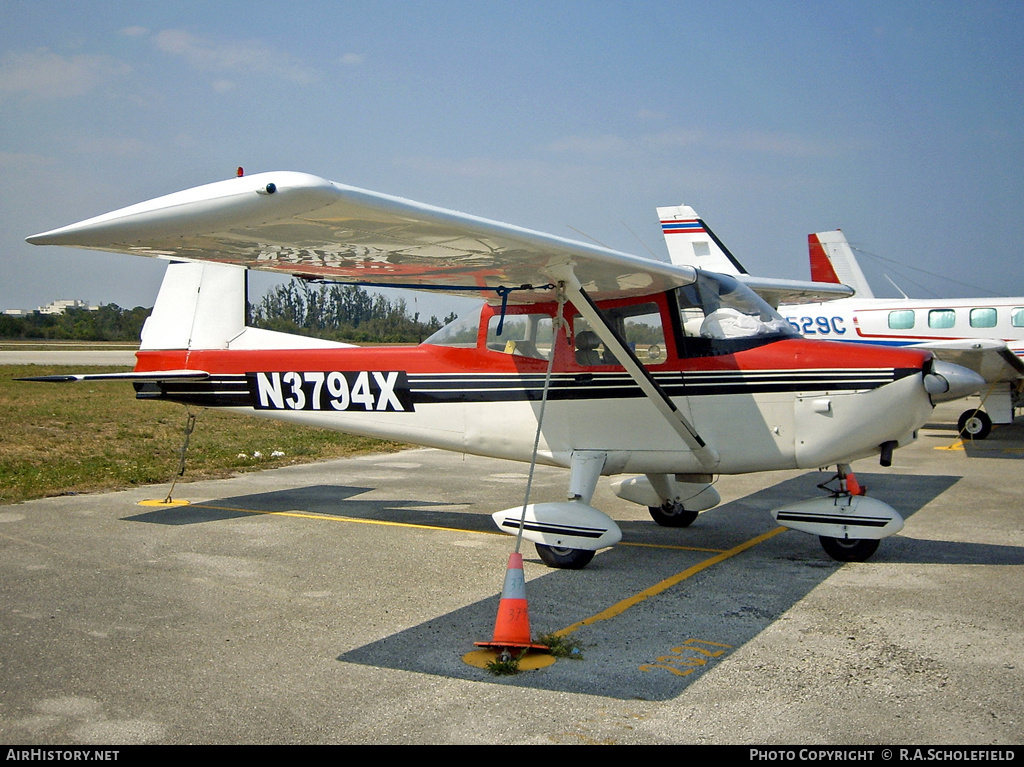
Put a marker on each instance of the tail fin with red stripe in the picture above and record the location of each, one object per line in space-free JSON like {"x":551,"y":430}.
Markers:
{"x":832,"y":260}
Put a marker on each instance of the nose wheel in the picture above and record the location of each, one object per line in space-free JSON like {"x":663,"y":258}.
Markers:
{"x":672,"y":514}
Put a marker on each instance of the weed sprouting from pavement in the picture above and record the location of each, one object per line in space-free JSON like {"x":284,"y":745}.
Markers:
{"x":561,"y":647}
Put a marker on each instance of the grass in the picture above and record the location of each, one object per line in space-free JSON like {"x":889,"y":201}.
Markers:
{"x":505,"y":664}
{"x":561,"y":647}
{"x":94,"y":436}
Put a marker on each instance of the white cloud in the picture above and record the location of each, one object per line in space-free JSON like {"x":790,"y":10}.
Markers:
{"x":251,"y":56}
{"x":475,"y":167}
{"x":352,"y":59}
{"x":675,"y":139}
{"x":757,"y":142}
{"x":24,"y":161}
{"x":134,"y":31}
{"x":44,"y":74}
{"x":114,"y":146}
{"x":592,"y":146}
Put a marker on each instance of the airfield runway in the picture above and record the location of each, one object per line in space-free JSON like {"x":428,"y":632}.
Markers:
{"x":333,"y":603}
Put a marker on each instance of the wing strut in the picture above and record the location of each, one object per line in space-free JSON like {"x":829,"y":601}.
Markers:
{"x":707,"y":456}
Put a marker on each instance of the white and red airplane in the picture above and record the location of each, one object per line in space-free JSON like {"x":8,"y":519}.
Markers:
{"x":582,"y":357}
{"x":985,"y":335}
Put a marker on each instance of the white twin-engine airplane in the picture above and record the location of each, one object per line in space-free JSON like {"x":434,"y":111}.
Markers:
{"x":582,"y":357}
{"x":985,"y":335}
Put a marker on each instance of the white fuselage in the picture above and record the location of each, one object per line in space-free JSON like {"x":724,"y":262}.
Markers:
{"x":905,"y":322}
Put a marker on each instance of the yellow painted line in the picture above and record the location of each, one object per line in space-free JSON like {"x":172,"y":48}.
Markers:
{"x":625,"y":604}
{"x":958,"y":445}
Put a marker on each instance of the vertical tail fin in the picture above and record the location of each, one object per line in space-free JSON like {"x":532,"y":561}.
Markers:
{"x":832,"y":260}
{"x":199,"y":306}
{"x":691,"y":242}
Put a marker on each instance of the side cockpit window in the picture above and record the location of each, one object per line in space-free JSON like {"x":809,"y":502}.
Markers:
{"x":639,"y":324}
{"x":521,"y":334}
{"x":462,"y":333}
{"x":524,"y":335}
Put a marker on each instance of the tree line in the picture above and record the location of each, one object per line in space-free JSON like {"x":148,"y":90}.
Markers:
{"x":336,"y":312}
{"x":341,"y":313}
{"x":108,"y":323}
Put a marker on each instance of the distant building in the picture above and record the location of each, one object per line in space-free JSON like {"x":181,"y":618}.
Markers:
{"x":62,"y":305}
{"x":54,"y":307}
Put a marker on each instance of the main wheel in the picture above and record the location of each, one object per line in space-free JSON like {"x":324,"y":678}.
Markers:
{"x":565,"y":559}
{"x":672,"y":515}
{"x":974,"y":424}
{"x":849,"y":549}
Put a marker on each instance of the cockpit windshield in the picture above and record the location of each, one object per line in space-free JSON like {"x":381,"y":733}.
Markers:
{"x":720,"y":315}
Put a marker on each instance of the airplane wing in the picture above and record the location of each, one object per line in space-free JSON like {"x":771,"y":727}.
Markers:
{"x":992,"y":360}
{"x":301,"y":224}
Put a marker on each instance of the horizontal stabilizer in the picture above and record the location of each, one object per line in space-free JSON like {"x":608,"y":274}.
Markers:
{"x":156,"y":375}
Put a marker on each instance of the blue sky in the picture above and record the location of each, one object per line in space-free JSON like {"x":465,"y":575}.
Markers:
{"x":898,"y":122}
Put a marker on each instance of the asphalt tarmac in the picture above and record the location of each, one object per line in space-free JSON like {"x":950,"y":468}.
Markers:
{"x":334,"y":602}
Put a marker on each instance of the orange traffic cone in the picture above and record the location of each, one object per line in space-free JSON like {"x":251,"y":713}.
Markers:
{"x":512,"y":626}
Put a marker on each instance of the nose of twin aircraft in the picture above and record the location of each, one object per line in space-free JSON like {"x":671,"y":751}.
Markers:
{"x":947,"y":381}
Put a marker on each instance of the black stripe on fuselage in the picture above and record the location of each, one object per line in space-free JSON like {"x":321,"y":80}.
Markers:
{"x":426,"y":388}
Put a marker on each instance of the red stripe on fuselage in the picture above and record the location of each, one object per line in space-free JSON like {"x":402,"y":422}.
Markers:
{"x":788,"y":354}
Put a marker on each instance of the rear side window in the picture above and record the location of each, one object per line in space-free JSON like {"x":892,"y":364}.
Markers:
{"x":983,"y":318}
{"x":941,"y":318}
{"x":902,"y":319}
{"x":1017,"y":317}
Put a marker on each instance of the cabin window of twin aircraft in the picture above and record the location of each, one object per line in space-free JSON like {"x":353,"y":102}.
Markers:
{"x":943,"y":319}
